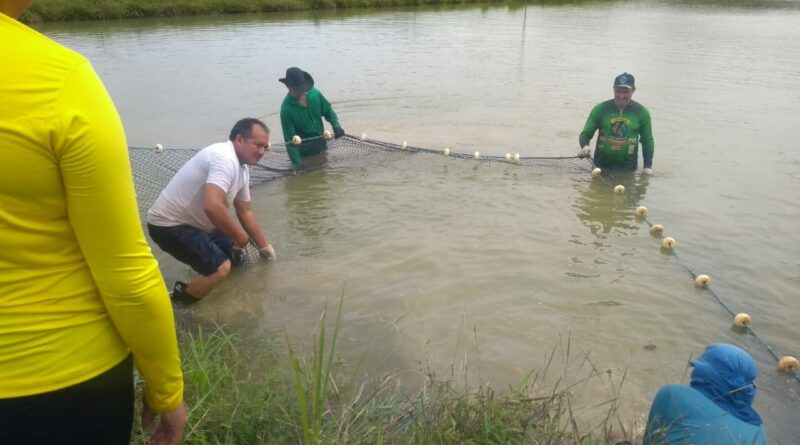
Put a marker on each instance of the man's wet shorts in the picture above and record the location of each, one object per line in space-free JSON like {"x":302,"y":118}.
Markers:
{"x":203,"y":252}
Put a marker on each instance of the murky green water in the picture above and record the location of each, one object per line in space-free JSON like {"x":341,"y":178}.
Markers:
{"x":490,"y":267}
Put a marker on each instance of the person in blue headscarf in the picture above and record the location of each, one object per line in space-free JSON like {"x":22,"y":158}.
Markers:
{"x":716,"y":408}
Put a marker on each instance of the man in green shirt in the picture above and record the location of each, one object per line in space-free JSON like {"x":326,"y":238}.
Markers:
{"x":301,"y":115}
{"x":622,"y":124}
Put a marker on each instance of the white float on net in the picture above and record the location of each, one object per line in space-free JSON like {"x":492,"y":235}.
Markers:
{"x":656,"y":229}
{"x":619,"y":189}
{"x":446,"y":151}
{"x":296,"y":140}
{"x":159,"y":148}
{"x":477,"y":155}
{"x":641,"y":211}
{"x":327,"y":135}
{"x":596,"y":171}
{"x":788,"y":364}
{"x":702,"y":280}
{"x":742,"y":320}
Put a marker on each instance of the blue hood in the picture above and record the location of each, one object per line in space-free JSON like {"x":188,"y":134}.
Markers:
{"x":725,"y":374}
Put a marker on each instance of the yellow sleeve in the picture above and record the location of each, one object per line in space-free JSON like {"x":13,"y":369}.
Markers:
{"x":93,"y":160}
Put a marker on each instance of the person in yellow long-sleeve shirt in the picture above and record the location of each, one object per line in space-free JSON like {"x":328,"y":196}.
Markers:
{"x":81,"y":296}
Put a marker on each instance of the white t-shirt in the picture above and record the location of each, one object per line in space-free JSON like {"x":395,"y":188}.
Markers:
{"x":181,"y":202}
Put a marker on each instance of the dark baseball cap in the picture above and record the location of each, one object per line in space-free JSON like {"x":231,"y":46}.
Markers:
{"x":625,"y":80}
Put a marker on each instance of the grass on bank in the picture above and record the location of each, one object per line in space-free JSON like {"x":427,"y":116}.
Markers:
{"x":73,"y":10}
{"x":257,"y":392}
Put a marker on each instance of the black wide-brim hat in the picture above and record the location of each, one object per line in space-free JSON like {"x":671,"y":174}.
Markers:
{"x":297,"y":79}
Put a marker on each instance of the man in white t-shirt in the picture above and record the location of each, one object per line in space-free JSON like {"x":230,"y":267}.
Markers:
{"x":190,"y":219}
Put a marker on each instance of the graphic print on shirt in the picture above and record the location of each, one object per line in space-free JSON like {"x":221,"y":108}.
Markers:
{"x":618,"y":133}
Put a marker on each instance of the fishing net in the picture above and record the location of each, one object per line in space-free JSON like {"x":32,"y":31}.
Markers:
{"x":153,"y":169}
{"x":632,"y":201}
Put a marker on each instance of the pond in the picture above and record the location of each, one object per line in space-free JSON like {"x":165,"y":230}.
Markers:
{"x":490,"y":268}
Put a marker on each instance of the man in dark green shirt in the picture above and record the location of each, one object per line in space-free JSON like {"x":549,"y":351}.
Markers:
{"x":622,"y":124}
{"x":301,"y":115}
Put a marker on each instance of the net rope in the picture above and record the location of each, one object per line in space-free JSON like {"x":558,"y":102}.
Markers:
{"x":608,"y":178}
{"x":153,"y":169}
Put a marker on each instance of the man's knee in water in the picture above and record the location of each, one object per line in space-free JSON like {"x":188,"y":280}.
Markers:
{"x":223,"y":270}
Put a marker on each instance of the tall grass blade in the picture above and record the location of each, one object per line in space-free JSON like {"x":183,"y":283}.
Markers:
{"x":301,"y":393}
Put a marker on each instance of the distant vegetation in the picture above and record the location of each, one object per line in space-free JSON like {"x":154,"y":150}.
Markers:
{"x":76,"y":10}
{"x":73,"y":10}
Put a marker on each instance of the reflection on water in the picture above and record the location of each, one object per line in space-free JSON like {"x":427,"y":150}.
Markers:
{"x":449,"y":261}
{"x":308,"y":204}
{"x":592,"y":205}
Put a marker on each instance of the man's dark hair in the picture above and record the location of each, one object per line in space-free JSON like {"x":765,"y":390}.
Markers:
{"x":245,"y":128}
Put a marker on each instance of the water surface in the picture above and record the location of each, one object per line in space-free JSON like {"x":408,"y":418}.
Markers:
{"x":489,"y":266}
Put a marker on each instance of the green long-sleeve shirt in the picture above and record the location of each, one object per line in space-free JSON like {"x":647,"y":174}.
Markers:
{"x":306,"y":122}
{"x":620,"y":134}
